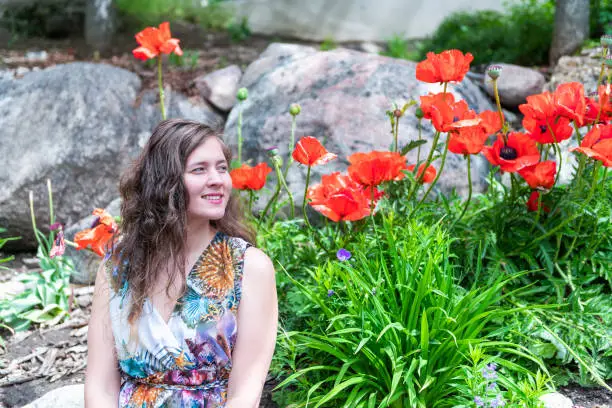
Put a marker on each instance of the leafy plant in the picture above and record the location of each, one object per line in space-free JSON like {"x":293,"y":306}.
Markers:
{"x":398,"y":47}
{"x":47,"y":294}
{"x":394,"y":325}
{"x":239,"y":29}
{"x":328,"y":44}
{"x":3,"y":242}
{"x":522,"y":34}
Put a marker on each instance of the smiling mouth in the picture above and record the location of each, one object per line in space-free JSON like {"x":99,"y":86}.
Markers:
{"x":213,"y":198}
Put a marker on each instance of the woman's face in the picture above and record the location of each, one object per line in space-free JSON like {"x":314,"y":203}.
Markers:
{"x":208,"y":181}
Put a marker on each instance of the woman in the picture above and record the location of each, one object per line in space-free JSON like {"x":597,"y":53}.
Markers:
{"x":184,"y":311}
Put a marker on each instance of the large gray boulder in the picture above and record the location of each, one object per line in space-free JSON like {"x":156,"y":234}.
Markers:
{"x":79,"y":125}
{"x":344,"y":95}
{"x":515,"y":84}
{"x":220,"y":87}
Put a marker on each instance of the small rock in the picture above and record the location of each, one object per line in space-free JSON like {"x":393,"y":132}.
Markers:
{"x":37,"y":56}
{"x":556,"y":400}
{"x":220,"y":87}
{"x":11,"y":288}
{"x":370,"y":48}
{"x":84,"y":301}
{"x":71,"y":396}
{"x":31,"y":262}
{"x":515,"y":84}
{"x":21,"y":71}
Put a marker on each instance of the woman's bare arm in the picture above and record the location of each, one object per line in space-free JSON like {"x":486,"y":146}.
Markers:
{"x":102,"y":380}
{"x":257,"y":324}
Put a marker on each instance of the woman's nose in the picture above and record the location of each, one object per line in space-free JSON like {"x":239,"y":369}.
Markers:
{"x":214,"y":177}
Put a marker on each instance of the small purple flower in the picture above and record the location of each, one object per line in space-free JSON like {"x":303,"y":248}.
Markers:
{"x":343,"y":255}
{"x":492,"y":366}
{"x":55,"y":226}
{"x":488,"y":374}
{"x":478,"y":401}
{"x":491,"y":387}
{"x":498,"y":402}
{"x":330,"y":293}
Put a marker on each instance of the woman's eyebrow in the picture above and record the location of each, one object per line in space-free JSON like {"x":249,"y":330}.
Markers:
{"x":222,"y":161}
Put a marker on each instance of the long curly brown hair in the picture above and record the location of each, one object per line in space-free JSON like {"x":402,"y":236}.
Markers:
{"x":154,"y":210}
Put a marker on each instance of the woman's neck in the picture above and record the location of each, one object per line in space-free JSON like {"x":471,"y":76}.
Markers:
{"x":199,"y":234}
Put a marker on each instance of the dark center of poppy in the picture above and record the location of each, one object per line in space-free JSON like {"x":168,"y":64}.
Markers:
{"x":543,"y":128}
{"x":508,"y":153}
{"x":456,"y":119}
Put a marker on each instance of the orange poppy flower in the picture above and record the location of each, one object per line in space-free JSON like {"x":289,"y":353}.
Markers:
{"x":428,"y":100}
{"x":597,"y":144}
{"x":99,"y":235}
{"x":430,"y":173}
{"x":310,"y":152}
{"x":520,"y":152}
{"x":447,"y":116}
{"x":532,"y":202}
{"x":541,"y":175}
{"x":250,"y":178}
{"x":541,"y":106}
{"x":449,"y":65}
{"x":471,"y":139}
{"x":154,"y":41}
{"x":552,"y":130}
{"x":571,"y":102}
{"x":593,"y":107}
{"x":373,"y":168}
{"x":339,"y":198}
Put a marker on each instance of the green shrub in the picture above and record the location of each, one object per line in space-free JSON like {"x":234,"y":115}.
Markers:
{"x":3,"y":241}
{"x":520,"y":35}
{"x":398,"y":47}
{"x":391,"y":327}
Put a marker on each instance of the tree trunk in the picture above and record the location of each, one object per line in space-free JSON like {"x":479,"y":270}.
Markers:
{"x":99,"y":24}
{"x":571,"y":28}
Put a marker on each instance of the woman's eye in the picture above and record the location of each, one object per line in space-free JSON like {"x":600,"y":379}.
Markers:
{"x":223,"y":168}
{"x":198,"y":170}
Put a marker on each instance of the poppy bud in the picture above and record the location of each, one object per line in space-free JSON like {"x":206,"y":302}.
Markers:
{"x":242,"y":94}
{"x":274,"y":156}
{"x":606,"y":40}
{"x":397,"y":113}
{"x":419,"y":113}
{"x":295,"y":109}
{"x":494,"y":71}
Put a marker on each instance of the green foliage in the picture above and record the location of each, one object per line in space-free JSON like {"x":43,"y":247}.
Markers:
{"x":239,"y":30}
{"x":396,"y":327}
{"x":600,"y":18}
{"x":398,"y":47}
{"x":328,"y":44}
{"x":3,"y":241}
{"x":521,"y":35}
{"x":215,"y":16}
{"x":47,"y":294}
{"x":568,"y":250}
{"x":189,"y":59}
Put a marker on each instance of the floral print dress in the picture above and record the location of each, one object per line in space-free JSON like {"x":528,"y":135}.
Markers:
{"x":186,"y":361}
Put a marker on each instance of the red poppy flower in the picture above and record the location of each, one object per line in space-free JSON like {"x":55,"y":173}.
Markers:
{"x":310,"y":152}
{"x":571,"y":102}
{"x":447,"y":116}
{"x":449,"y":65}
{"x":250,"y":178}
{"x":532,"y":203}
{"x":339,"y":198}
{"x":540,"y":129}
{"x":541,"y":106}
{"x":540,"y":175}
{"x":593,"y":107}
{"x":154,"y":41}
{"x":430,"y":173}
{"x":98,"y":236}
{"x":373,"y":168}
{"x":428,"y":100}
{"x":471,"y":139}
{"x":597,"y":144}
{"x":520,"y":152}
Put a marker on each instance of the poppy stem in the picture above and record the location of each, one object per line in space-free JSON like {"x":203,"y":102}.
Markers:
{"x":581,"y":159}
{"x":291,"y":144}
{"x":433,"y":183}
{"x":160,"y":84}
{"x":499,"y":108}
{"x":239,"y":132}
{"x":272,"y":199}
{"x":305,"y":195}
{"x":420,"y":138}
{"x":576,"y":213}
{"x":557,"y":150}
{"x":419,"y":178}
{"x":251,"y":195}
{"x":467,"y":203}
{"x":395,"y":134}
